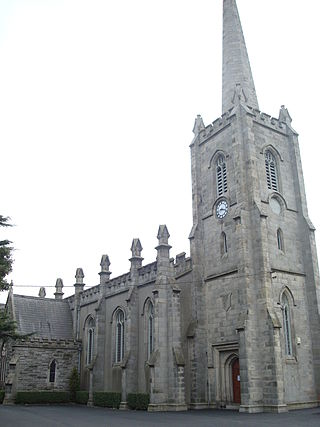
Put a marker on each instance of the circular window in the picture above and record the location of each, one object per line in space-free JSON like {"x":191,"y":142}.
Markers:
{"x":275,"y":206}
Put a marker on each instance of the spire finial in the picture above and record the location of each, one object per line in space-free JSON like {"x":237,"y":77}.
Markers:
{"x":59,"y":285}
{"x":105,"y":273}
{"x":237,"y":81}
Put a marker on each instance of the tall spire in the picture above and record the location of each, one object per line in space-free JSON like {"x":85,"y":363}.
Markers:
{"x":237,"y":81}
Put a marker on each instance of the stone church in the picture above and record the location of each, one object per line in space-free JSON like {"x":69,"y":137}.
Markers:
{"x":237,"y":323}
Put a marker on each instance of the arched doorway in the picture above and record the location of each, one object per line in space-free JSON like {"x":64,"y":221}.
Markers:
{"x":235,"y":373}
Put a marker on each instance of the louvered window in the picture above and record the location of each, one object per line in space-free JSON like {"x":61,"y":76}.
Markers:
{"x":271,"y":171}
{"x":221,"y":169}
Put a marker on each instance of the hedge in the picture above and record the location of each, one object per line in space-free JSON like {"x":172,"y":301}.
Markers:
{"x":43,"y":397}
{"x":82,"y":397}
{"x":107,"y":399}
{"x":138,"y":401}
{"x":1,"y":396}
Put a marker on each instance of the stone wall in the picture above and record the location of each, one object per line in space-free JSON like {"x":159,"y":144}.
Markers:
{"x":33,"y":361}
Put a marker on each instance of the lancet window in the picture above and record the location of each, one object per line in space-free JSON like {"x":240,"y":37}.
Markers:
{"x":224,"y":243}
{"x":287,"y":325}
{"x":280,"y":239}
{"x":119,"y":336}
{"x":52,"y":371}
{"x":150,"y":329}
{"x":90,"y":340}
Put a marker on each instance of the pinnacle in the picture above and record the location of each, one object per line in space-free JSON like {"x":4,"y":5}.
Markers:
{"x":237,"y":80}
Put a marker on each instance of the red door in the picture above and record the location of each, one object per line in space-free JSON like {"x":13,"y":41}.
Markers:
{"x":236,"y":381}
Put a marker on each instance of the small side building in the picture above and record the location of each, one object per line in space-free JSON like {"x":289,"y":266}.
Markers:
{"x":43,"y":360}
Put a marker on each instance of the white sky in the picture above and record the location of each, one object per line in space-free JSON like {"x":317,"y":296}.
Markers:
{"x":97,"y":106}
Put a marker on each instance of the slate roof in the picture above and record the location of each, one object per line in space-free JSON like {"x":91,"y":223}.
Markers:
{"x":47,"y":318}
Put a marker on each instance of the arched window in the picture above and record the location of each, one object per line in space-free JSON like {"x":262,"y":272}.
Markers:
{"x":271,"y":171}
{"x":223,"y":243}
{"x":119,"y":336}
{"x":90,"y":339}
{"x":52,"y":371}
{"x":221,"y":174}
{"x":287,"y":325}
{"x":150,"y":328}
{"x":280,"y":240}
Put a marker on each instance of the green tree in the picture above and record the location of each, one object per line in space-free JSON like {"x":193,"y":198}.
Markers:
{"x":5,"y":256}
{"x":7,"y":328}
{"x":74,"y":383}
{"x":7,"y":325}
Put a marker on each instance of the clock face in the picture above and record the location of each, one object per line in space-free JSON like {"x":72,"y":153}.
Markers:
{"x":222,"y":209}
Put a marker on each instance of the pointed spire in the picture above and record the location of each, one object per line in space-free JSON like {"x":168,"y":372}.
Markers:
{"x":237,"y":81}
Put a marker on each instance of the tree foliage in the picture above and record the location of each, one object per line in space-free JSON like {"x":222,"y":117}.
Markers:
{"x":7,"y":325}
{"x":8,"y":328}
{"x":74,"y":383}
{"x":5,"y":256}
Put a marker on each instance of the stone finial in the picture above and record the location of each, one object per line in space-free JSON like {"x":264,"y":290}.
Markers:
{"x":79,"y":281}
{"x":105,"y":263}
{"x":104,"y":273}
{"x":58,"y":293}
{"x":136,"y":248}
{"x":284,"y":115}
{"x":79,"y":276}
{"x":163,"y":248}
{"x":136,"y":258}
{"x":198,"y":125}
{"x":42,"y":292}
{"x":163,"y":234}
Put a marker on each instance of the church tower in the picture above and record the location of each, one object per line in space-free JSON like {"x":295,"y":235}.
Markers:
{"x":256,"y":287}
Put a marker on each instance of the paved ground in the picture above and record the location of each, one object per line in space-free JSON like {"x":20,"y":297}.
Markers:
{"x":81,"y":416}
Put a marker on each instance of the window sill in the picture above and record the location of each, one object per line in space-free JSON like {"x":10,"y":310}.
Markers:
{"x":291,"y":360}
{"x":117,"y":364}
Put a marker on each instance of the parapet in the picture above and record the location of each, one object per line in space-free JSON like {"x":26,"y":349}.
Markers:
{"x":46,"y":343}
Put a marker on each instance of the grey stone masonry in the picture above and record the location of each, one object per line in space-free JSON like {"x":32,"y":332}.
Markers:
{"x":237,"y":81}
{"x":235,"y":325}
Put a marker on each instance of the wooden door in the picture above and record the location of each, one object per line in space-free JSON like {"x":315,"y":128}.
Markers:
{"x":236,"y":381}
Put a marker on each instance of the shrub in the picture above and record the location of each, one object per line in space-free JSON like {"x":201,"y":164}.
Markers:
{"x":1,"y":396}
{"x":42,"y":397}
{"x":107,"y":399}
{"x":82,"y":397}
{"x":138,"y":401}
{"x":74,"y":383}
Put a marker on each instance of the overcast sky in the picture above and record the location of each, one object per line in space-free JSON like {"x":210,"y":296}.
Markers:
{"x":97,"y":106}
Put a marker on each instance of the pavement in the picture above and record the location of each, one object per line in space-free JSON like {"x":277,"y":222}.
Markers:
{"x":82,"y":416}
